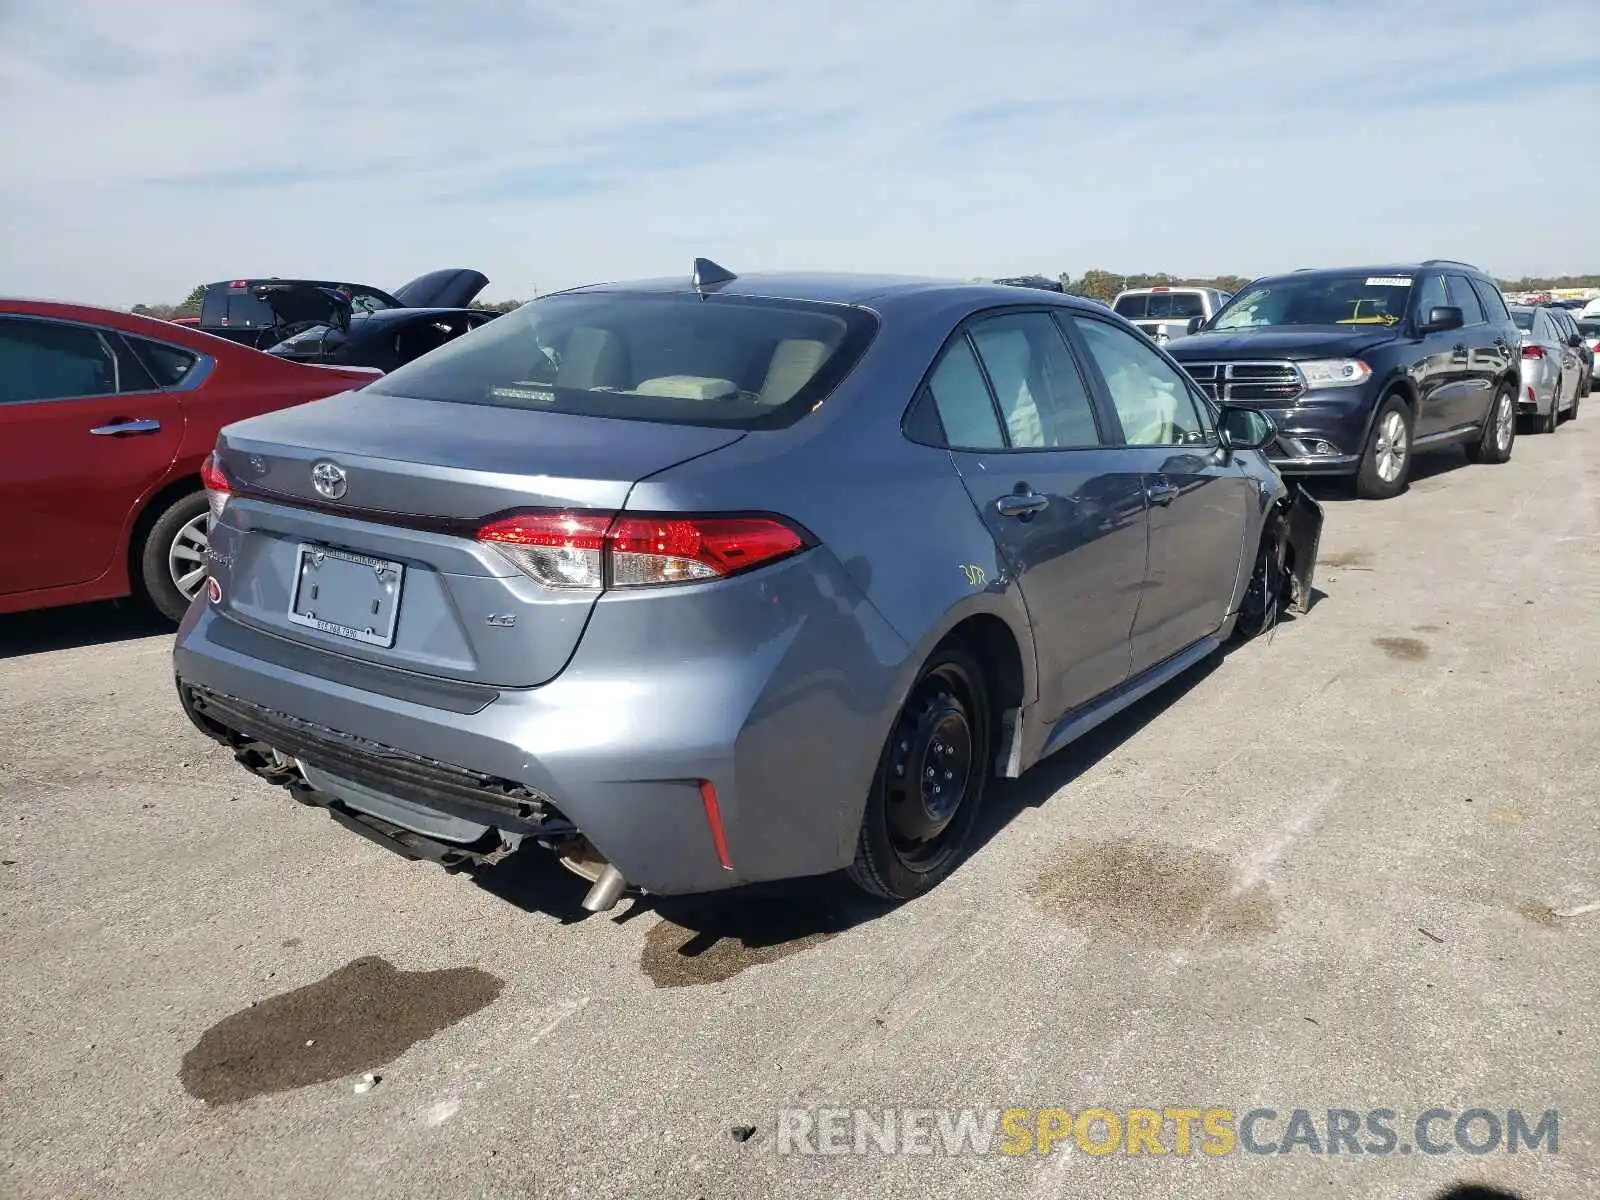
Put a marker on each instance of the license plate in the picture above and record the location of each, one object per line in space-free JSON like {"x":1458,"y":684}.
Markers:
{"x":348,"y":595}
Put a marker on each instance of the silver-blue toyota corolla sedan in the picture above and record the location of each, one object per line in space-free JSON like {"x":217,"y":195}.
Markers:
{"x":705,"y":581}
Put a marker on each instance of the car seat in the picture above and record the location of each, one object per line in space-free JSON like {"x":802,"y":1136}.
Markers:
{"x":795,"y":361}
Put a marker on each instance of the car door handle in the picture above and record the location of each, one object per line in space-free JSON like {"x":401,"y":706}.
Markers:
{"x":1023,"y":504}
{"x":1162,"y":493}
{"x":144,"y":425}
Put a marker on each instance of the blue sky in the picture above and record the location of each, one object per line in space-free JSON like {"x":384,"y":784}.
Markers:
{"x":149,"y":147}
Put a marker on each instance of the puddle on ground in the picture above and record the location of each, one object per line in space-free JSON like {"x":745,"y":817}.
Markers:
{"x":1153,"y":893}
{"x":1345,"y":558}
{"x":1540,"y":914}
{"x":718,"y":940}
{"x":357,"y":1019}
{"x":1404,"y":648}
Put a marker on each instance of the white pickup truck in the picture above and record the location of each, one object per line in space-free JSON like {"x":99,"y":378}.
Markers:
{"x":1165,"y":313}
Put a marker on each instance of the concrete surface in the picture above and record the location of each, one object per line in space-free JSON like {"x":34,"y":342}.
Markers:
{"x":1322,"y":873}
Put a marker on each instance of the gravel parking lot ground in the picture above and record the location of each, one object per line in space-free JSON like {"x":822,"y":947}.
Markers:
{"x":1325,"y":872}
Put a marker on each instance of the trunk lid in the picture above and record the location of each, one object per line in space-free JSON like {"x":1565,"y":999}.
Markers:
{"x":453,"y":287}
{"x":404,"y":485}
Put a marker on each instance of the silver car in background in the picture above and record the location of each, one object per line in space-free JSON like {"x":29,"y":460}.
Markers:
{"x":1167,"y":313}
{"x":1547,"y":387}
{"x":1579,"y":358}
{"x":1589,"y":328}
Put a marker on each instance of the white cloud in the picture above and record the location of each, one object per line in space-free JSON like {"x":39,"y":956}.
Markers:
{"x":149,"y":147}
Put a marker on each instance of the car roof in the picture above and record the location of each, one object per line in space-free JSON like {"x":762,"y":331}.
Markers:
{"x":188,"y":336}
{"x":878,"y":292}
{"x":1380,"y":269}
{"x":250,"y":282}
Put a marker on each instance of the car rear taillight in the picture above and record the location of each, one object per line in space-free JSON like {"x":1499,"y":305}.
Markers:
{"x":602,"y":550}
{"x":216,"y":485}
{"x":1533,"y":352}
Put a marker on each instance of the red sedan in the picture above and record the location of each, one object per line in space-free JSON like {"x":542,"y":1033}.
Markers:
{"x":105,"y":419}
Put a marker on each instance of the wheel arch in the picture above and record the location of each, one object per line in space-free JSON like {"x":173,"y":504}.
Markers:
{"x":149,"y":513}
{"x":1397,"y":384}
{"x":1004,"y":653}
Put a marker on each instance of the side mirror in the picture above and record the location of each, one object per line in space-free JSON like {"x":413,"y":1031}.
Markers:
{"x":1443,"y":319}
{"x":1245,"y":428}
{"x":1575,"y":341}
{"x":1194,"y":324}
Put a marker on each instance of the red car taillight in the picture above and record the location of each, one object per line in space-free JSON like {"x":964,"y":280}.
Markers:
{"x":1533,"y":352}
{"x":216,"y":485}
{"x":599,"y":550}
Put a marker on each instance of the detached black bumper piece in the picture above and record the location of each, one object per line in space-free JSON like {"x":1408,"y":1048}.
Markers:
{"x":1303,"y":536}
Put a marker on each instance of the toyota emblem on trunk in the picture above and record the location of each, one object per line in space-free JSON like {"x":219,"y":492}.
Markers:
{"x":329,"y":479}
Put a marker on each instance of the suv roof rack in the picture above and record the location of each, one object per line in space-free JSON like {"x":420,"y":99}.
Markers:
{"x":1450,"y":262}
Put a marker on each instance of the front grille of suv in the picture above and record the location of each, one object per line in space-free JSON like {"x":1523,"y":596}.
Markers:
{"x":1248,"y":382}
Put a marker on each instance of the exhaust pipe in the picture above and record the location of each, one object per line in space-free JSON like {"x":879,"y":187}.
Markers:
{"x":607,"y":890}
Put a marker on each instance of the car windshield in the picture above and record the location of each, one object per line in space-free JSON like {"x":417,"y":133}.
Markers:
{"x":679,"y":358}
{"x":1317,"y":299}
{"x":1589,"y":328}
{"x":1181,"y":305}
{"x":1523,"y":317}
{"x":362,"y":302}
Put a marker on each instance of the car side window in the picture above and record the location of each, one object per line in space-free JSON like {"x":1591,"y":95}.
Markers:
{"x":168,"y":365}
{"x":1430,"y":295}
{"x":45,"y":360}
{"x":1494,"y":304}
{"x":1153,"y":399}
{"x":963,"y":402}
{"x":1042,"y":396}
{"x":1464,"y":298}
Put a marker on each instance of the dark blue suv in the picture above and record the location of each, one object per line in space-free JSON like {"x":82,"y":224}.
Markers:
{"x":1361,"y":368}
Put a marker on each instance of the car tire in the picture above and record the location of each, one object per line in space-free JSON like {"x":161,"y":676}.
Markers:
{"x":1262,"y":602}
{"x":1383,"y":474}
{"x":1548,"y":423}
{"x":915,"y":829}
{"x":175,"y":539}
{"x":1499,"y":431}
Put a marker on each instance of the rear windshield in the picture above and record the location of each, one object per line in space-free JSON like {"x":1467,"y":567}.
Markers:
{"x":1589,"y":327}
{"x":235,"y":308}
{"x":1181,"y":305}
{"x":1523,"y":317}
{"x":681,"y":358}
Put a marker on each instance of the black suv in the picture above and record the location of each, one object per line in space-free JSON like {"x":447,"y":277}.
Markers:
{"x":1362,"y":367}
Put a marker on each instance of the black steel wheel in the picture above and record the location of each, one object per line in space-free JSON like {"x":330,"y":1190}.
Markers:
{"x":930,"y":781}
